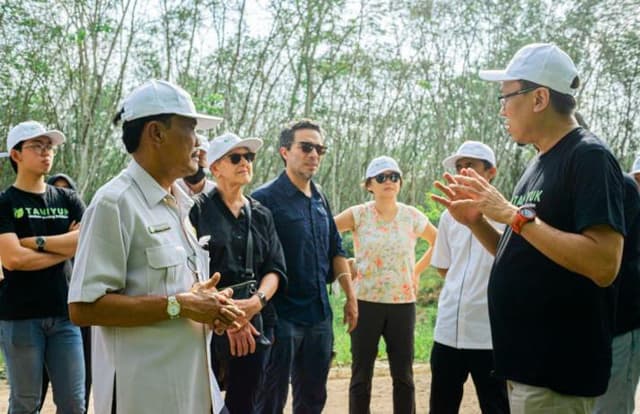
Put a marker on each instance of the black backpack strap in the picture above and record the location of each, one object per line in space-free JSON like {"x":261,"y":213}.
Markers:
{"x":248,"y":262}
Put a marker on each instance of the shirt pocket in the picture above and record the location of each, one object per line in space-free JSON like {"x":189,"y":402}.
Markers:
{"x":165,"y":264}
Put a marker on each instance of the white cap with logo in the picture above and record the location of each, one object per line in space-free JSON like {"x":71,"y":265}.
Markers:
{"x":470,"y":149}
{"x":226,"y":142}
{"x":31,"y":129}
{"x":381,"y":164}
{"x":157,"y":97}
{"x":635,"y":169}
{"x":542,"y":63}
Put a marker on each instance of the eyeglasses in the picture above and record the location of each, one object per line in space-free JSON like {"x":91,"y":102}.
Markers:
{"x":382,"y":177}
{"x":307,"y":147}
{"x":42,"y":148}
{"x":503,"y":98}
{"x":235,"y":158}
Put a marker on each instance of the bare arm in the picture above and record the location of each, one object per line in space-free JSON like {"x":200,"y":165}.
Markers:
{"x":344,"y":221}
{"x":596,"y":253}
{"x":16,"y":257}
{"x":429,"y":234}
{"x":62,"y":244}
{"x":343,"y":274}
{"x":202,"y":304}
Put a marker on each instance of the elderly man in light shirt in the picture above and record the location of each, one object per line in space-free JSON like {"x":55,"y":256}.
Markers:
{"x":140,"y":276}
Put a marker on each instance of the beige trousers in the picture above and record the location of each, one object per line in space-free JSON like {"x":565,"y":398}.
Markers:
{"x":528,"y":399}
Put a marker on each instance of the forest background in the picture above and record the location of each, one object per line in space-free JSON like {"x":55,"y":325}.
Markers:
{"x":394,"y":77}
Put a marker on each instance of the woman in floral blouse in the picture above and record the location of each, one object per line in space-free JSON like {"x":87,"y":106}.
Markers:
{"x":386,"y":280}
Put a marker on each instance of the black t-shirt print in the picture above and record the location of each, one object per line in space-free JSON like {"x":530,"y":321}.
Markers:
{"x":38,"y":293}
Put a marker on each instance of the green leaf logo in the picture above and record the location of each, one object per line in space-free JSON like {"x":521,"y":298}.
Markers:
{"x":18,"y":212}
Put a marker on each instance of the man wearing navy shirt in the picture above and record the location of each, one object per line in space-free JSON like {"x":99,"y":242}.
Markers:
{"x":314,"y":255}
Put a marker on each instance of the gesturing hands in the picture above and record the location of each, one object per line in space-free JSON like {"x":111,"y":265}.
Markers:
{"x":469,"y":196}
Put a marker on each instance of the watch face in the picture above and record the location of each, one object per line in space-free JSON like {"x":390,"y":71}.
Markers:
{"x":173,"y":309}
{"x":528,"y":213}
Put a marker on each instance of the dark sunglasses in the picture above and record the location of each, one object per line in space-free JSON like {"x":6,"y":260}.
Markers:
{"x":235,"y":158}
{"x":382,"y":177}
{"x":307,"y":147}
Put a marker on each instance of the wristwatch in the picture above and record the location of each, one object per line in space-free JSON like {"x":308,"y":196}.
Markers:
{"x":262,"y":297}
{"x":173,"y":307}
{"x":40,"y":242}
{"x":525,"y":214}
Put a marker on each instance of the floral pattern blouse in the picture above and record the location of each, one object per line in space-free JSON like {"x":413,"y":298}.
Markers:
{"x":385,"y":253}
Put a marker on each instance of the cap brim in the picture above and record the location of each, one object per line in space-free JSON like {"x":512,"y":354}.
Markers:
{"x":56,"y":136}
{"x":495,"y":75}
{"x":205,"y":122}
{"x":253,"y":144}
{"x":450,"y":162}
{"x":635,"y":172}
{"x":380,"y":171}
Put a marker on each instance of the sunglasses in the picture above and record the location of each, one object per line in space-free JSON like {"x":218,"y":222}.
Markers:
{"x":307,"y":147}
{"x":235,"y":158}
{"x":382,"y":177}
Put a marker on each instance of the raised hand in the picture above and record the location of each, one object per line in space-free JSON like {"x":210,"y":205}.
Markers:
{"x":459,"y":203}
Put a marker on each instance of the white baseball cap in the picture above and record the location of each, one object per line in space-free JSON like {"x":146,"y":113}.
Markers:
{"x":203,"y":144}
{"x":31,"y":129}
{"x":381,"y":164}
{"x":157,"y":97}
{"x":635,"y":169}
{"x":470,"y":149}
{"x":226,"y":142}
{"x":542,"y":63}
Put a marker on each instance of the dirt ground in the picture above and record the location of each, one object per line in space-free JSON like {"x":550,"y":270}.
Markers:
{"x":338,"y":393}
{"x":338,"y":390}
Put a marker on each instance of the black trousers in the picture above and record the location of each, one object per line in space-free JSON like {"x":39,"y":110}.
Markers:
{"x":450,"y":368}
{"x":242,"y":378}
{"x":395,"y":323}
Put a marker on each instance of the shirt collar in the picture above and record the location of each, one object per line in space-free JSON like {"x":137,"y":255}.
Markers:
{"x":290,"y":189}
{"x":153,"y":192}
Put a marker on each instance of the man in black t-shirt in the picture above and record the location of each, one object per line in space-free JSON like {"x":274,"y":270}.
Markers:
{"x":550,"y":300}
{"x":38,"y":236}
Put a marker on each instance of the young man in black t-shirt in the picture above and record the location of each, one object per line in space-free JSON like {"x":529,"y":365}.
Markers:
{"x":38,"y":236}
{"x":550,"y":300}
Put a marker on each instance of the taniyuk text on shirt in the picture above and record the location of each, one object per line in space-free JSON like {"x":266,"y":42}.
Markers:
{"x":530,"y":197}
{"x":41,"y":213}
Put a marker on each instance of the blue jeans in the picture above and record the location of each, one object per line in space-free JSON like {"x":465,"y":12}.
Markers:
{"x":625,"y":371}
{"x":30,"y":344}
{"x":302,"y":353}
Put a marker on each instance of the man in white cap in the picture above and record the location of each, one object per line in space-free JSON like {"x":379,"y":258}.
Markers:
{"x":550,"y":300}
{"x":38,"y":237}
{"x":244,"y":247}
{"x":198,"y":182}
{"x":635,"y":170}
{"x":462,"y":336}
{"x":140,"y":278}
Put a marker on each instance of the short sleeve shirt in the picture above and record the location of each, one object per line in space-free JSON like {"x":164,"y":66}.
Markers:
{"x":385,"y":253}
{"x":37,"y":293}
{"x":136,"y":240}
